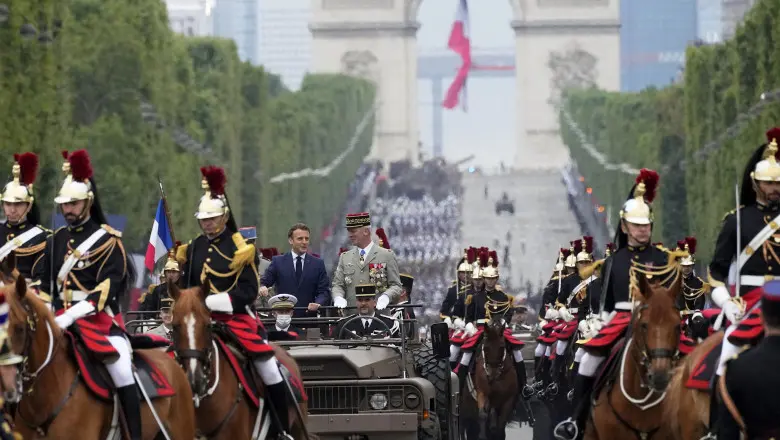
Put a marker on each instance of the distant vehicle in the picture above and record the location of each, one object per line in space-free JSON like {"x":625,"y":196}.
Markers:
{"x":505,"y":205}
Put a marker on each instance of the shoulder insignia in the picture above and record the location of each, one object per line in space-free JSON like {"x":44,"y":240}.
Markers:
{"x":181,"y":253}
{"x":510,"y":298}
{"x":61,"y":228}
{"x":733,"y":211}
{"x":112,"y":231}
{"x":468,"y":299}
{"x":454,"y":282}
{"x":46,"y":230}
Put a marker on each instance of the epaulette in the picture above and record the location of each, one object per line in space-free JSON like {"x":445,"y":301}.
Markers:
{"x":148,"y":292}
{"x":454,"y":282}
{"x":181,"y":252}
{"x":733,"y":211}
{"x":510,"y":298}
{"x":46,"y":230}
{"x":468,"y":299}
{"x":112,"y":231}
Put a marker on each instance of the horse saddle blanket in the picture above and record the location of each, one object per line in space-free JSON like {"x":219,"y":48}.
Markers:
{"x":244,"y":370}
{"x":611,"y":365}
{"x":750,"y":330}
{"x":95,"y":376}
{"x":703,"y":372}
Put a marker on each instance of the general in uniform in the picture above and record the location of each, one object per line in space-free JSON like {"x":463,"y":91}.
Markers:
{"x":92,"y":273}
{"x":747,"y":406}
{"x":760,"y":240}
{"x":221,"y":256}
{"x":166,"y":316}
{"x":152,"y":300}
{"x":282,"y":306}
{"x":21,"y":232}
{"x":365,"y":263}
{"x":634,"y":250}
{"x":370,"y":324}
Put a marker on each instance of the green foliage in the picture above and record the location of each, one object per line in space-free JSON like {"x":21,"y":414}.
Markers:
{"x":660,"y":128}
{"x":118,"y":82}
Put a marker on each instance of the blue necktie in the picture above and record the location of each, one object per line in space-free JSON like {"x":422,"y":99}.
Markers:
{"x":298,"y":269}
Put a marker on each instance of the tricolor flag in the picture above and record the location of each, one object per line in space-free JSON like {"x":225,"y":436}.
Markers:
{"x":460,"y":44}
{"x":160,"y":240}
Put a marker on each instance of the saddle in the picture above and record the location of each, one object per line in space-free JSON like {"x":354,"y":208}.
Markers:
{"x":609,"y":367}
{"x":703,"y":372}
{"x":241,"y":364}
{"x":95,"y":375}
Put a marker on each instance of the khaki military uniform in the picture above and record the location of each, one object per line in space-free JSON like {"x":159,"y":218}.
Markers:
{"x":379,"y":268}
{"x":160,"y":330}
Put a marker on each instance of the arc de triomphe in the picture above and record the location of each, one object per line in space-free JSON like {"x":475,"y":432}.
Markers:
{"x":558,"y":44}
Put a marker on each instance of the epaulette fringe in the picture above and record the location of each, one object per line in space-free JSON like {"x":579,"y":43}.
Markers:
{"x":468,"y":299}
{"x":588,"y":270}
{"x":181,"y":253}
{"x":245,"y":253}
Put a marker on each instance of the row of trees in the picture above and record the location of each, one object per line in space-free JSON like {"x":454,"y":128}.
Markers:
{"x":147,"y":103}
{"x":683,"y":130}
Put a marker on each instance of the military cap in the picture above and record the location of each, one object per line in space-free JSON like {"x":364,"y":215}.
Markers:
{"x":358,"y":220}
{"x":365,"y":290}
{"x":770,"y":299}
{"x":166,"y":303}
{"x":407,"y":281}
{"x":282,"y":301}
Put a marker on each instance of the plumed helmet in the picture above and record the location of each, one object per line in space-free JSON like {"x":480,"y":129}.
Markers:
{"x":637,"y":209}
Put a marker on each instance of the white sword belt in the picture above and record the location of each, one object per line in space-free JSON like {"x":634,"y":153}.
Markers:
{"x":756,"y":280}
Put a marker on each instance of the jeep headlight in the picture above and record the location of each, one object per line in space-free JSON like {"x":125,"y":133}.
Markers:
{"x":378,"y":401}
{"x":412,"y":400}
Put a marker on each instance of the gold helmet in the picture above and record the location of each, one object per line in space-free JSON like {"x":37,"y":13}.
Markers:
{"x":213,"y":203}
{"x":767,"y":169}
{"x":171,"y":264}
{"x":20,"y":189}
{"x":637,"y":208}
{"x":490,"y":270}
{"x":586,"y":253}
{"x":609,"y":250}
{"x":571,"y":259}
{"x":466,"y":263}
{"x":688,"y":245}
{"x":78,"y":174}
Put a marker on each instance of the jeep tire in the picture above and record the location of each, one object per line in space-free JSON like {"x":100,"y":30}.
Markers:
{"x":437,"y":372}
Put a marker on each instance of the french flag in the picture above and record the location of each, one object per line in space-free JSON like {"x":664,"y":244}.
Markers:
{"x":160,"y":240}
{"x":460,"y":44}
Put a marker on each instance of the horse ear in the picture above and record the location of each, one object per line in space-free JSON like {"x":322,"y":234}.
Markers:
{"x":173,"y":290}
{"x":205,"y":288}
{"x":643,"y":289}
{"x":676,"y":288}
{"x":8,"y":265}
{"x":21,"y":287}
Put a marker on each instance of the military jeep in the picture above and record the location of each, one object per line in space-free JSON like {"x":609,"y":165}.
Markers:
{"x":378,"y":389}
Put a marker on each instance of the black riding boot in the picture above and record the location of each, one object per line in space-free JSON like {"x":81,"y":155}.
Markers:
{"x":573,"y":371}
{"x":522,"y":380}
{"x":463,"y":371}
{"x":714,"y":403}
{"x":574,"y":427}
{"x":277,"y":393}
{"x":453,"y":365}
{"x":537,"y":361}
{"x":547,"y":366}
{"x":131,"y":405}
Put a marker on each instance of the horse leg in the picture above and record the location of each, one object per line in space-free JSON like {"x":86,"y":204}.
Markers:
{"x":177,"y":412}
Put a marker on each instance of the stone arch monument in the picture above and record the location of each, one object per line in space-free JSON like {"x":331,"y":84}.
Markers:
{"x":558,"y":44}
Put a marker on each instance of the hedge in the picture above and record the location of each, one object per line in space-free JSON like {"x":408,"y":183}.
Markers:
{"x":118,"y":82}
{"x":661,"y":129}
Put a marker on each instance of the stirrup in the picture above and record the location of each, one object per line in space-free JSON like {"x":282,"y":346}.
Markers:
{"x":570,"y":395}
{"x":566,"y":430}
{"x":539,"y":386}
{"x":553,"y":389}
{"x":528,"y":391}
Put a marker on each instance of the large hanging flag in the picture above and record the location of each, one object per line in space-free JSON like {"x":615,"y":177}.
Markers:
{"x":160,"y":240}
{"x":459,"y":43}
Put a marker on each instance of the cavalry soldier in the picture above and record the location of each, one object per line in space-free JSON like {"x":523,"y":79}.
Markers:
{"x":282,"y":306}
{"x":547,"y":317}
{"x":152,"y":300}
{"x":367,"y":326}
{"x":633,"y":251}
{"x":745,"y":408}
{"x":694,"y":289}
{"x":493,"y":302}
{"x":8,"y":369}
{"x":759,"y":220}
{"x":166,"y":316}
{"x":221,"y":258}
{"x":477,"y":299}
{"x":461,"y":291}
{"x":405,"y":313}
{"x":453,"y":306}
{"x":364,"y":263}
{"x":21,"y":232}
{"x":86,"y":271}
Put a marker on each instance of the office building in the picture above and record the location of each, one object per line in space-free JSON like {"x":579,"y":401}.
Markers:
{"x":733,"y":11}
{"x":190,"y":17}
{"x":285,"y":40}
{"x":238,"y":20}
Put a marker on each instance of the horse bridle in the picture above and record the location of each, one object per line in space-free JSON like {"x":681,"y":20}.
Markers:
{"x":648,"y":356}
{"x":493,"y":372}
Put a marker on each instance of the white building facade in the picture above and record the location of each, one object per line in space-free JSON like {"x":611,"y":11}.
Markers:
{"x":191,"y":17}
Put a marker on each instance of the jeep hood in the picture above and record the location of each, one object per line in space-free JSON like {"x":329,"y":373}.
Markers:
{"x":333,"y":362}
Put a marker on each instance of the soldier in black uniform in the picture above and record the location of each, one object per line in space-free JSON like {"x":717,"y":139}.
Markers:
{"x":745,"y":405}
{"x":694,"y":289}
{"x":151,"y":301}
{"x":367,"y":326}
{"x":282,"y":306}
{"x":87,"y":272}
{"x":21,"y":232}
{"x":405,"y":313}
{"x":759,"y":223}
{"x":634,"y":249}
{"x":453,"y":306}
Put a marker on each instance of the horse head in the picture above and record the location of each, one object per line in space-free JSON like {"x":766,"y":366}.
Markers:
{"x":32,"y":332}
{"x":191,"y":330}
{"x":656,"y":328}
{"x":494,"y":346}
{"x":8,"y":272}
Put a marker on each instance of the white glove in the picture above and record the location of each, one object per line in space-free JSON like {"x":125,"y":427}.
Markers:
{"x":80,"y":310}
{"x":382,"y":302}
{"x":447,"y":320}
{"x":551,"y":314}
{"x":220,"y":302}
{"x":583,"y":326}
{"x":340,"y":302}
{"x":470,"y":329}
{"x":459,"y":324}
{"x":64,"y":321}
{"x":733,"y":312}
{"x":565,"y":315}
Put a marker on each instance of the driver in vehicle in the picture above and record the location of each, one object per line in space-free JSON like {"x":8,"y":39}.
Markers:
{"x":370,"y":325}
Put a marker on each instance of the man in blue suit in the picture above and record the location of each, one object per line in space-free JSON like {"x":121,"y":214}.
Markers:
{"x":298,"y":273}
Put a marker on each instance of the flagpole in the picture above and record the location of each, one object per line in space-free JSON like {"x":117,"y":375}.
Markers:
{"x":167,"y":212}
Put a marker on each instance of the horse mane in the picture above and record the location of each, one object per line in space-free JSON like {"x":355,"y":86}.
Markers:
{"x":18,"y":311}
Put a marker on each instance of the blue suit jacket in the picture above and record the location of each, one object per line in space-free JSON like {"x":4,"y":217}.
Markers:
{"x":314,"y":286}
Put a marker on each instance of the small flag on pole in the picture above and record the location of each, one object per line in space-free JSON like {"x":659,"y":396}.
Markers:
{"x":460,"y":43}
{"x":160,"y":239}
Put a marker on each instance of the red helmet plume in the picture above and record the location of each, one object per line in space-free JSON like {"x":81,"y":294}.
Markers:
{"x":483,"y":257}
{"x":471,"y":255}
{"x":494,"y":256}
{"x":587,"y":244}
{"x":80,"y":166}
{"x":380,"y":232}
{"x":215,"y":178}
{"x":28,"y":167}
{"x":681,"y":244}
{"x":691,"y":242}
{"x":650,"y":178}
{"x":565,"y":252}
{"x":611,"y":247}
{"x":576,"y":246}
{"x":773,"y":134}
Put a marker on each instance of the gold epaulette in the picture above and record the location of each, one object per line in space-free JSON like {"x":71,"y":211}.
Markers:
{"x":148,"y":292}
{"x":510,"y":298}
{"x":112,"y":231}
{"x":245,"y":252}
{"x":468,"y":299}
{"x":588,"y":270}
{"x":46,"y":230}
{"x":733,"y":211}
{"x":181,"y":252}
{"x":674,"y":255}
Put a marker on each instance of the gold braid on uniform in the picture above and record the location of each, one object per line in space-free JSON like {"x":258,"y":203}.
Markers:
{"x":669,"y":273}
{"x":244,"y":255}
{"x":694,"y":293}
{"x":97,"y":256}
{"x":30,"y":250}
{"x":499,"y":307}
{"x":468,"y":299}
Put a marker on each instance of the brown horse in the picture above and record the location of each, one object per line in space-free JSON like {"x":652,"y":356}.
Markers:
{"x":223,"y":410}
{"x":56,"y":403}
{"x":629,"y":405}
{"x":686,"y":410}
{"x":495,"y":383}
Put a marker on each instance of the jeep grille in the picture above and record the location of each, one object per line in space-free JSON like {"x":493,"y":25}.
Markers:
{"x":354,"y":399}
